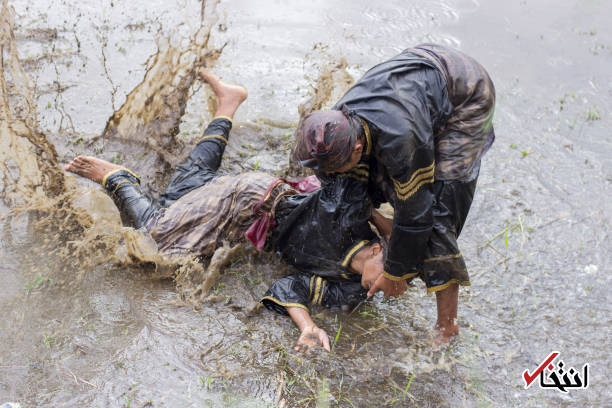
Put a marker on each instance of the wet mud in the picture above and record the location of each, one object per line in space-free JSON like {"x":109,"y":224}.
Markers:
{"x":92,"y":316}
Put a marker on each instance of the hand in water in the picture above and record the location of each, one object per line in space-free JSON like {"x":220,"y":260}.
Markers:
{"x":388,"y":286}
{"x":312,"y":336}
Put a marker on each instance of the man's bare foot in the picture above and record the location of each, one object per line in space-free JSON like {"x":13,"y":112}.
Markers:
{"x":445,"y":334}
{"x":229,"y":97}
{"x":91,"y":167}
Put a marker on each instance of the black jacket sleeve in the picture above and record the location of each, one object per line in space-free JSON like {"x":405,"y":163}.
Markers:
{"x":405,"y":102}
{"x":413,"y":199}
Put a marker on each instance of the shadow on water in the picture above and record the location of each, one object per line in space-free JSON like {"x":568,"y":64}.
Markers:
{"x":90,"y":317}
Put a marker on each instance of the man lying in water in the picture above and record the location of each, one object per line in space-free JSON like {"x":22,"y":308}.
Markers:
{"x":324,"y":233}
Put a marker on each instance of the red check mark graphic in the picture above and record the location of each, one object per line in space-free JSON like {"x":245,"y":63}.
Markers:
{"x":530,"y":377}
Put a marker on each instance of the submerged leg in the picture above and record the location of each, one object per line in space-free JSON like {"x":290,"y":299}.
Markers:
{"x":446,"y":326}
{"x":204,"y":160}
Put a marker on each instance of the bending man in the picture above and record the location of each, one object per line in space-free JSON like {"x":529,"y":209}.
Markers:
{"x":415,"y":127}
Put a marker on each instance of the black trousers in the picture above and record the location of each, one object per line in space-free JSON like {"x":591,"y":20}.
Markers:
{"x":138,"y":209}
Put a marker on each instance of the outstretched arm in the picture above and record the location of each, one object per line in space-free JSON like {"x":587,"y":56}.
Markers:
{"x":311,"y":334}
{"x":290,"y":295}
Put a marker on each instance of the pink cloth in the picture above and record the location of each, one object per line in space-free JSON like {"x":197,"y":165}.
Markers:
{"x":258,"y":231}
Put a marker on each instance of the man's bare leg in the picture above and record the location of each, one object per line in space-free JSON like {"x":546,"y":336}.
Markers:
{"x":229,"y":97}
{"x":91,"y":167}
{"x":446,"y":326}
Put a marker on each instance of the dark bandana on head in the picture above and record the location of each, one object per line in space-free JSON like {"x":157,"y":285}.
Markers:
{"x":325,"y":139}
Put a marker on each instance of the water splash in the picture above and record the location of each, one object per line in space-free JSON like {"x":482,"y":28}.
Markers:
{"x":152,"y":112}
{"x":28,"y":161}
{"x":72,"y":224}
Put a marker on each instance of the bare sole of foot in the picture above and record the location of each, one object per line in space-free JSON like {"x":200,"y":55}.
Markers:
{"x":91,"y":167}
{"x":229,"y":96}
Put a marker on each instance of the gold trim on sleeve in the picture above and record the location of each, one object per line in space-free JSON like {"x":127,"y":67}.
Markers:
{"x":289,"y":304}
{"x":443,"y":257}
{"x":312,"y":278}
{"x":223,"y":117}
{"x":447,"y":284}
{"x":352,"y":252}
{"x":110,"y":173}
{"x":323,"y":284}
{"x":220,"y":137}
{"x":361,"y":169}
{"x":360,"y":172}
{"x":317,"y":289}
{"x":399,"y":278}
{"x":107,"y":175}
{"x":419,"y":178}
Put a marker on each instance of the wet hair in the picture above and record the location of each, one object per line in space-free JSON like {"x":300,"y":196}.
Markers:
{"x":325,"y":139}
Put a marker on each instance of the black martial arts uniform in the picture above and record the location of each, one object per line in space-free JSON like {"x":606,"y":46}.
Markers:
{"x":318,"y":232}
{"x":427,"y":119}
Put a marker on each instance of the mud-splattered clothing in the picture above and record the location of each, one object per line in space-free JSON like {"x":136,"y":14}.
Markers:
{"x":199,"y":209}
{"x":427,"y":115}
{"x":203,"y":218}
{"x":318,"y":233}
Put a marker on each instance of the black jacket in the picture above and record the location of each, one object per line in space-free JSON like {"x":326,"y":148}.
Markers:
{"x":320,"y":232}
{"x":403,"y":103}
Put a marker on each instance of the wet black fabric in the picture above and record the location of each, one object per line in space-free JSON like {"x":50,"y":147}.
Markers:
{"x":135,"y":206}
{"x":138,"y":209}
{"x":315,"y":231}
{"x":202,"y":164}
{"x":443,"y":263}
{"x":302,"y":290}
{"x":319,"y":233}
{"x":406,"y":108}
{"x":469,"y":132}
{"x":404,"y":102}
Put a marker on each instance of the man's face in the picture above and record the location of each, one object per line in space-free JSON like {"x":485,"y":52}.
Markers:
{"x":372,"y":267}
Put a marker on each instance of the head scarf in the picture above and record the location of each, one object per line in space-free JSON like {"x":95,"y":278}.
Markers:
{"x":325,"y":139}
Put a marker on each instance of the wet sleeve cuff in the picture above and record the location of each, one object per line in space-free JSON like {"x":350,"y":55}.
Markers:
{"x":297,"y":290}
{"x":401,"y":277}
{"x":401,"y":269}
{"x":112,"y":179}
{"x":352,"y":251}
{"x":218,"y":130}
{"x":291,"y":291}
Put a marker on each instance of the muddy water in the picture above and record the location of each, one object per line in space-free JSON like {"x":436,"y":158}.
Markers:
{"x":536,"y":240}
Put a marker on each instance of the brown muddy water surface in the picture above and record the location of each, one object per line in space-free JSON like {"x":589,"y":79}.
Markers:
{"x":78,"y":330}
